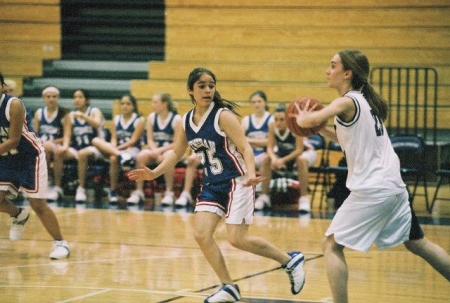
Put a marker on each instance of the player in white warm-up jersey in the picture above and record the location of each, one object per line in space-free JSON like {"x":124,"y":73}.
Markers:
{"x":373,"y":165}
{"x":377,"y":210}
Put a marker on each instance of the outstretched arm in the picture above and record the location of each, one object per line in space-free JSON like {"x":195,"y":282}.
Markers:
{"x":179,"y":150}
{"x":343,"y":107}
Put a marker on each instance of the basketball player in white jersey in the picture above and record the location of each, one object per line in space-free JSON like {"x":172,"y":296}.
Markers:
{"x":377,"y":210}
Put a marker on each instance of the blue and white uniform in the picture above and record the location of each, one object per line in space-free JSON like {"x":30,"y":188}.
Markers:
{"x":255,"y":130}
{"x":24,"y":167}
{"x":50,"y":128}
{"x":377,"y":210}
{"x":83,"y":133}
{"x":286,"y":144}
{"x":223,"y":165}
{"x":163,"y":131}
{"x":124,"y":132}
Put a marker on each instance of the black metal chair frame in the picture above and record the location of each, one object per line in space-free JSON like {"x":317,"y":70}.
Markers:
{"x":319,"y":143}
{"x":411,"y":152}
{"x":330,"y":170}
{"x":442,"y":173}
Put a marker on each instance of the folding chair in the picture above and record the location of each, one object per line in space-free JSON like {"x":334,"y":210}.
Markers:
{"x":410,"y":150}
{"x":334,"y":153}
{"x":442,"y":173}
{"x":319,"y":144}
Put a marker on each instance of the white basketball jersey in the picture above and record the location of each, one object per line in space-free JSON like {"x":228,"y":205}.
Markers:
{"x":374,"y":167}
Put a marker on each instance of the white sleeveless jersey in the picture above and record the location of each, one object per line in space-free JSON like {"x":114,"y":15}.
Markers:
{"x":373,"y":165}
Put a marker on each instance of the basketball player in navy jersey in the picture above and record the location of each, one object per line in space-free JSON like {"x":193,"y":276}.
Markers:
{"x":256,"y":128}
{"x":86,"y":123}
{"x":377,"y":210}
{"x":10,"y":88}
{"x":125,"y":143}
{"x":50,"y":122}
{"x":213,"y":132}
{"x":23,"y":167}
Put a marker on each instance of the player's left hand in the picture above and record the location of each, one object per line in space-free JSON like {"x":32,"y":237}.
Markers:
{"x":141,"y":174}
{"x":253,"y":181}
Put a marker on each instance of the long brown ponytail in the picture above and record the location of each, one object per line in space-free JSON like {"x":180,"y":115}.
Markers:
{"x":358,"y":63}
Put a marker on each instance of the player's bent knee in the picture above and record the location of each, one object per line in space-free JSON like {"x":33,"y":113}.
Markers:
{"x":415,"y":246}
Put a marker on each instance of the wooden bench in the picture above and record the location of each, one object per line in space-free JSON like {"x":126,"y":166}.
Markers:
{"x":25,"y":32}
{"x":24,"y":50}
{"x":30,"y":13}
{"x":359,"y":38}
{"x":31,"y":32}
{"x":305,"y":3}
{"x":21,"y":68}
{"x":302,"y":54}
{"x":240,"y":91}
{"x":32,"y":2}
{"x":145,"y":108}
{"x":284,"y":49}
{"x":250,"y":72}
{"x":306,"y":17}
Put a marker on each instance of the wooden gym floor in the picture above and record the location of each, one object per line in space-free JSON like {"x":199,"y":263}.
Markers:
{"x":148,"y":254}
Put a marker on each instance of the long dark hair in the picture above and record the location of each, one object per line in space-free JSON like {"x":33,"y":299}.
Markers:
{"x":86,"y":95}
{"x":358,"y":63}
{"x":195,"y":74}
{"x":134,"y":102}
{"x":2,"y":81}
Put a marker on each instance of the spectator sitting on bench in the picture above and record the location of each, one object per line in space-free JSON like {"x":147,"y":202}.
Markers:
{"x":86,"y":123}
{"x":125,"y":144}
{"x":161,"y":126}
{"x":50,"y":123}
{"x":287,"y":151}
{"x":192,"y":164}
{"x":256,"y":128}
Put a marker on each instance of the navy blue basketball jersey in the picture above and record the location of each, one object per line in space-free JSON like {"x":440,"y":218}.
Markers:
{"x":83,"y":132}
{"x":50,"y":129}
{"x":260,"y":132}
{"x":29,"y":146}
{"x":124,"y":130}
{"x":219,"y":156}
{"x":163,"y":135}
{"x":285,"y":142}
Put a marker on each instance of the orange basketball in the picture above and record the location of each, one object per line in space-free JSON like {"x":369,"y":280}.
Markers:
{"x":291,"y":121}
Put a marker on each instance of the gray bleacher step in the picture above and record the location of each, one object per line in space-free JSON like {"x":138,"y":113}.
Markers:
{"x":138,"y":52}
{"x":106,"y":66}
{"x":89,"y":84}
{"x":98,"y":88}
{"x":96,"y":69}
{"x":105,"y":105}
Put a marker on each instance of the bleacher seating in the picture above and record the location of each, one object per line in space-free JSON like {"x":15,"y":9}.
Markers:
{"x":284,"y":48}
{"x":31,"y":32}
{"x":281,"y":47}
{"x":113,"y":30}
